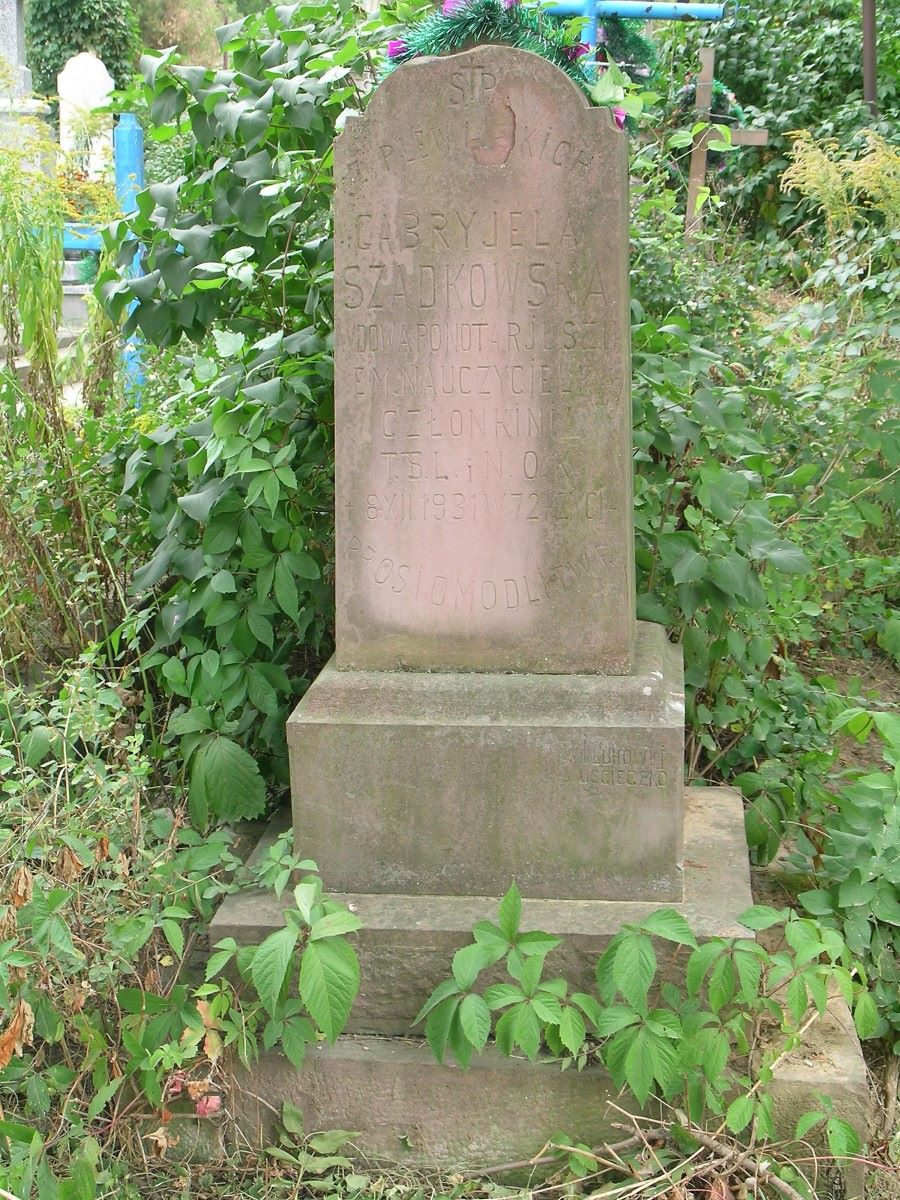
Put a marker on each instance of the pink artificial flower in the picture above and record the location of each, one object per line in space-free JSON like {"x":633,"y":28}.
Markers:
{"x":396,"y":47}
{"x":208,"y":1105}
{"x":578,"y":51}
{"x":451,"y":6}
{"x":620,"y":116}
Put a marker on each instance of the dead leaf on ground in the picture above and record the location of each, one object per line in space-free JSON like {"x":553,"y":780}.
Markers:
{"x":101,"y":850}
{"x":17,"y":1035}
{"x":719,"y":1189}
{"x":8,"y":924}
{"x":68,"y":865}
{"x":21,"y":887}
{"x":160,"y":1141}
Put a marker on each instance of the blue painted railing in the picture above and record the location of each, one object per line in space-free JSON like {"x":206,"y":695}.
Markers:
{"x":594,"y":10}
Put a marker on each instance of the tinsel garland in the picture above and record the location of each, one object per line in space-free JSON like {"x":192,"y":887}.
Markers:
{"x":624,"y":45}
{"x":477,"y":22}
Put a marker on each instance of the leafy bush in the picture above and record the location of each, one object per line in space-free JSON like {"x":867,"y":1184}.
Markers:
{"x":235,"y":491}
{"x":104,"y":892}
{"x":789,"y":72}
{"x":850,"y":849}
{"x":57,"y":29}
{"x":676,"y":1034}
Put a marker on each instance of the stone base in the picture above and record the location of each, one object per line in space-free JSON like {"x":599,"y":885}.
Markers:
{"x":407,"y":942}
{"x":410,"y":782}
{"x":405,"y":1108}
{"x":401,"y":1106}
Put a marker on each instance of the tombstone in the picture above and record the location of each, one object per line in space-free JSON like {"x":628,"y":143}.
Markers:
{"x":528,"y":727}
{"x":85,"y":86}
{"x":15,"y":78}
{"x":493,"y":710}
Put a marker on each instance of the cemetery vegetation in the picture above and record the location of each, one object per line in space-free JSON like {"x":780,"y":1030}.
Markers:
{"x":166,"y":590}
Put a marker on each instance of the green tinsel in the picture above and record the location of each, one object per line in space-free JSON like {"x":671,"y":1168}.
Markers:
{"x":626,"y":46}
{"x":482,"y":21}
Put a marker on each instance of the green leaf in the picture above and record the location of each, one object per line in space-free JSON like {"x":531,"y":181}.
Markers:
{"x":843,"y":1140}
{"x":649,"y":1058}
{"x":501,"y":995}
{"x":633,"y":968}
{"x":468,"y":963}
{"x":865,"y":1016}
{"x":689,"y":567}
{"x":613,"y":1018}
{"x":330,"y":1141}
{"x":449,"y":987}
{"x":807,"y":1122}
{"x":526,"y":1030}
{"x":509,"y":913}
{"x":173,"y":934}
{"x":228,"y":344}
{"x":286,"y":590}
{"x":571,"y":1030}
{"x":271,"y":964}
{"x":292,"y":1119}
{"x":437,"y":1027}
{"x":475,"y":1019}
{"x":761,"y":916}
{"x":536,"y":943}
{"x":329,"y":980}
{"x":335,"y":925}
{"x":670,"y":925}
{"x":226,"y":779}
{"x":788,"y":559}
{"x":739,"y":1113}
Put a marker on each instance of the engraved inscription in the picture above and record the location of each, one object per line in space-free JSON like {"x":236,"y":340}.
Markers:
{"x":605,"y":765}
{"x":479,"y":313}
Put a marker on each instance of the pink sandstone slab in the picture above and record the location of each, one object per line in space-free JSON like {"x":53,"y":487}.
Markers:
{"x":483,"y":415}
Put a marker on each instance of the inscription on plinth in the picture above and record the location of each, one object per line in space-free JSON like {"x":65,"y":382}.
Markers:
{"x":483,"y":417}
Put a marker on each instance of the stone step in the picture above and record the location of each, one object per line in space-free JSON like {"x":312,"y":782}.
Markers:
{"x":407,"y":943}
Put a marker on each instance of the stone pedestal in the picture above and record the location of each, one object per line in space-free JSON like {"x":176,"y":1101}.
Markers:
{"x":456,"y":784}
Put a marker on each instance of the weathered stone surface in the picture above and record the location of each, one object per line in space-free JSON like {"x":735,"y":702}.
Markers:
{"x":409,"y":1110}
{"x":483,"y":416}
{"x":407,"y":943}
{"x":827,"y":1062}
{"x":457,"y":783}
{"x":84,"y":86}
{"x":12,"y":50}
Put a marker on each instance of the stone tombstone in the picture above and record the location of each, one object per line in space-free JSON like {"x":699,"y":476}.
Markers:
{"x":14,"y":75}
{"x":483,"y":414}
{"x":85,"y":85}
{"x":493,"y":710}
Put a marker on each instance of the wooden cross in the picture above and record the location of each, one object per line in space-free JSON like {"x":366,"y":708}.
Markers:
{"x":693,"y":218}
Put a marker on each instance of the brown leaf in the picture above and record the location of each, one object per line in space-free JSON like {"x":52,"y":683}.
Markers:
{"x":17,"y":1035}
{"x":8,"y":927}
{"x":21,"y":887}
{"x":212,"y":1045}
{"x":719,"y":1189}
{"x":68,"y":865}
{"x":209,"y":1021}
{"x":101,"y":850}
{"x":160,"y":1141}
